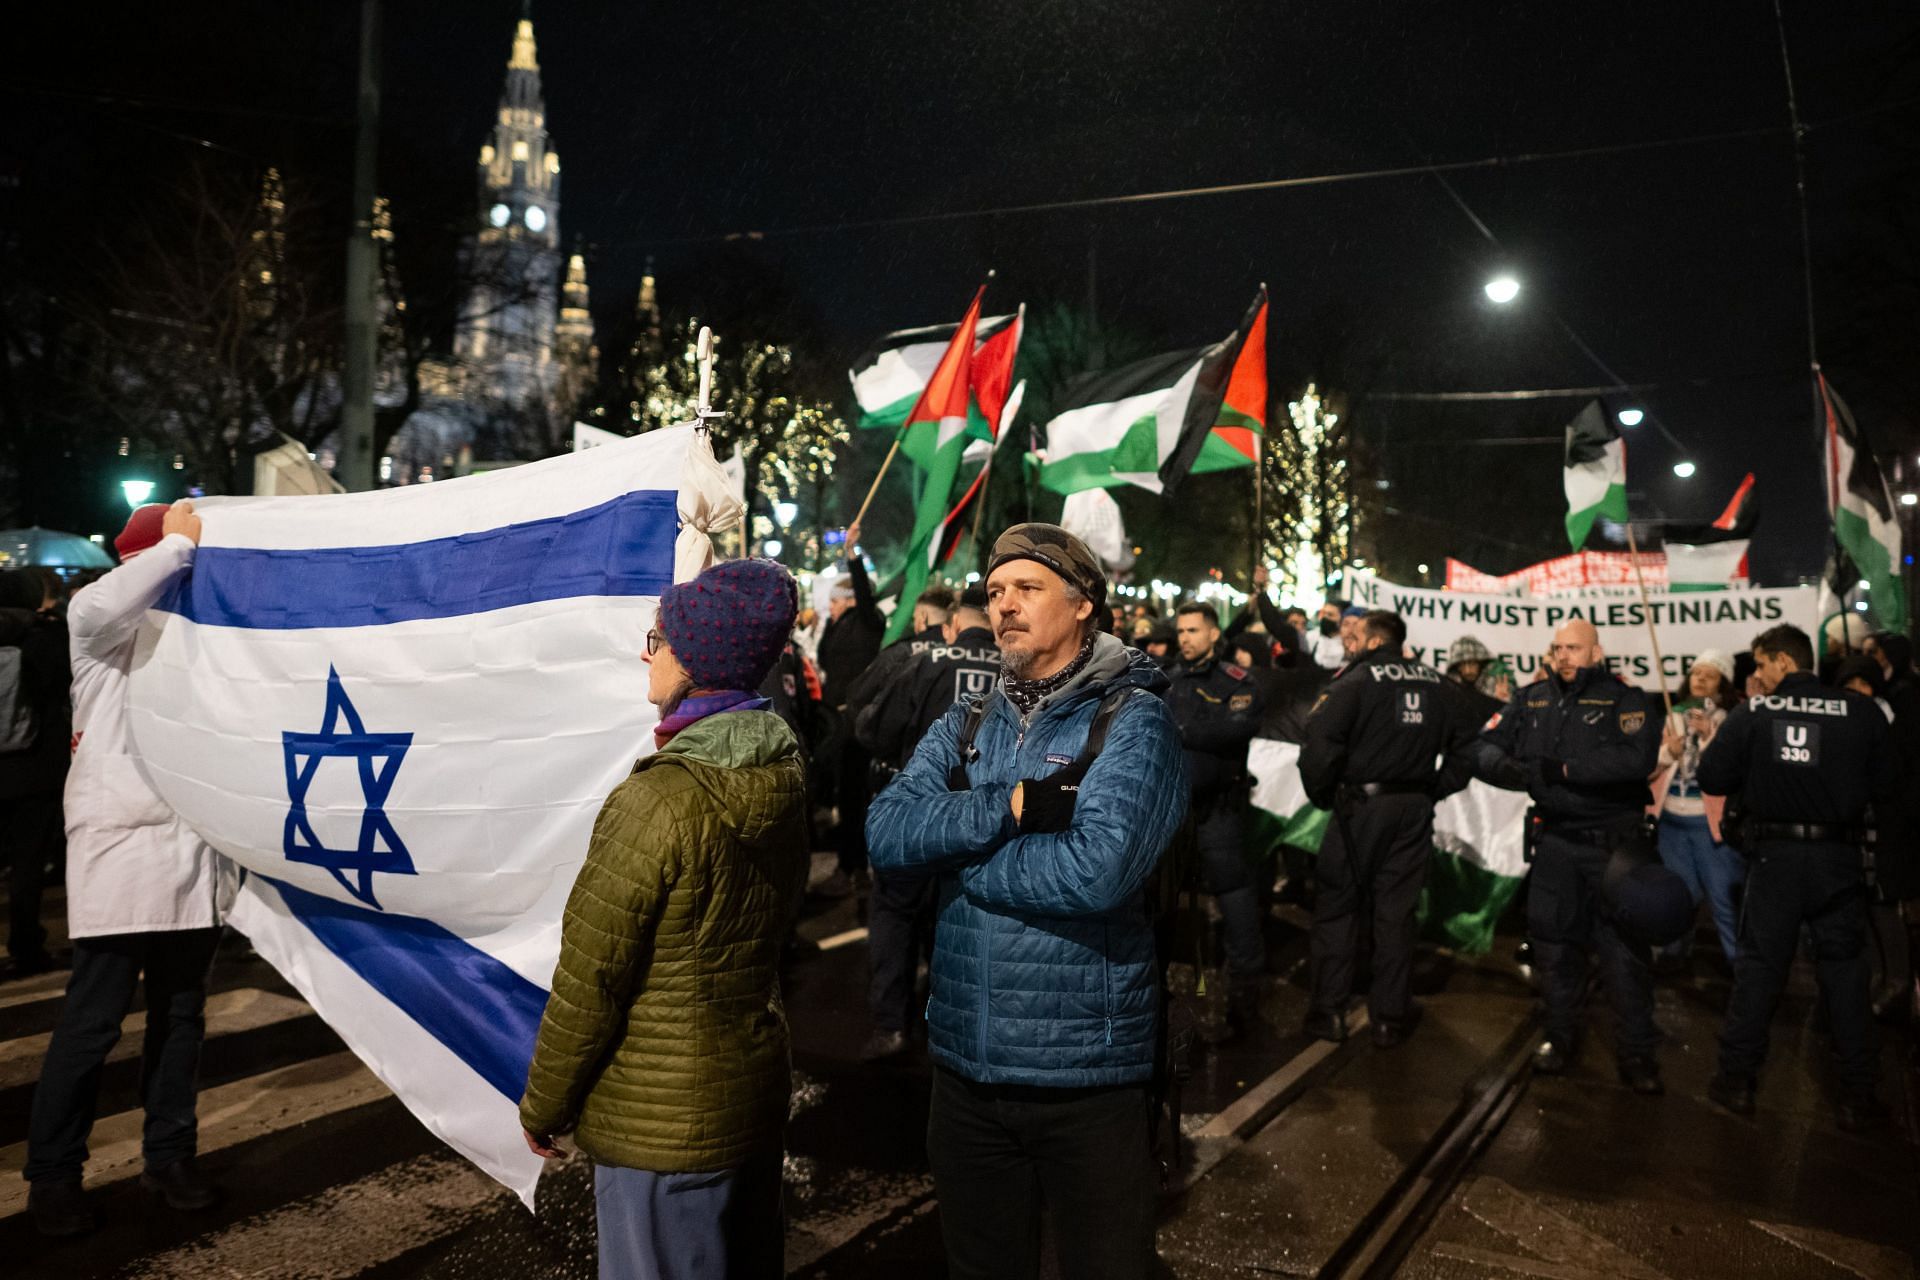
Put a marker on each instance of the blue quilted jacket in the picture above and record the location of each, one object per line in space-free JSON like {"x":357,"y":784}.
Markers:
{"x":1043,"y":966}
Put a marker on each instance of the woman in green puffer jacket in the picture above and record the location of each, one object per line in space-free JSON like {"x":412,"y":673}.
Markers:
{"x":663,"y":1049}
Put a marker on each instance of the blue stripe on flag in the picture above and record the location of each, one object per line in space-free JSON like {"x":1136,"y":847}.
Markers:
{"x":483,"y":1011}
{"x":623,"y":547}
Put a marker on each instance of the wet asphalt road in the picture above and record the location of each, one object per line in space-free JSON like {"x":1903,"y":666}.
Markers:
{"x":1294,"y":1144}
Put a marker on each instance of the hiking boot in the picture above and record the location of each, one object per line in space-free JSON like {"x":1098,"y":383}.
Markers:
{"x":1642,"y":1075}
{"x":59,"y":1207}
{"x":882,"y":1045}
{"x":1735,"y":1093}
{"x":1551,"y":1058}
{"x":181,"y":1185}
{"x":1861,"y":1113}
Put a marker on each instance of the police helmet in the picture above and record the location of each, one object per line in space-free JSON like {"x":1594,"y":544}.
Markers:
{"x":1650,"y":905}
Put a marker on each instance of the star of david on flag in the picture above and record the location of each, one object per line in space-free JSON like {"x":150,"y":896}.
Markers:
{"x":377,"y":758}
{"x":400,"y":713}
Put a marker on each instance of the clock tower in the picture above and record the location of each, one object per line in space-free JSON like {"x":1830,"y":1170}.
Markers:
{"x":506,"y":342}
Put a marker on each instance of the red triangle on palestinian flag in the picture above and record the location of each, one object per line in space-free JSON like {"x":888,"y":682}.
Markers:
{"x":1243,"y":412}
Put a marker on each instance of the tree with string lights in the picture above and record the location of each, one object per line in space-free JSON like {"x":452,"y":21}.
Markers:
{"x":1310,"y":509}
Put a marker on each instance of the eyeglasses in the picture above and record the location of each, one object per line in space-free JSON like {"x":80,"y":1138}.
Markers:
{"x":654,"y":641}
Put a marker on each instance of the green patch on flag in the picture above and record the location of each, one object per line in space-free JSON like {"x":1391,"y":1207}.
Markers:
{"x":1462,"y":903}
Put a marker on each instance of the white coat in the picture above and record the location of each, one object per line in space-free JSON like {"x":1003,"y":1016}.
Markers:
{"x":132,"y":865}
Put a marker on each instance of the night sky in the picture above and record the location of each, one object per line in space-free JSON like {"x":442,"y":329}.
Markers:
{"x":677,"y":124}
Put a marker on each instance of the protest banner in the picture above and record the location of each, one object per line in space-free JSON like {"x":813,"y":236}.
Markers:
{"x":1518,"y":629}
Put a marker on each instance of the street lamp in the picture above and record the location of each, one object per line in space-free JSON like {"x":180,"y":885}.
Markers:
{"x":136,"y":491}
{"x":1502,"y":290}
{"x":1632,"y":417}
{"x":784,"y":513}
{"x":1684,"y":469}
{"x":1909,"y":499}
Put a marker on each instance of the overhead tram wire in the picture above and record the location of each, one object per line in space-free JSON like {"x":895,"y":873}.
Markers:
{"x":1245,"y":188}
{"x":1619,"y":384}
{"x":1800,"y":188}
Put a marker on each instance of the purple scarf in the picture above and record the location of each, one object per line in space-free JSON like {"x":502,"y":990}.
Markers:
{"x":701,"y":705}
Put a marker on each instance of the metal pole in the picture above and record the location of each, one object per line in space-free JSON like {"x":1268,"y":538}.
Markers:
{"x":353,"y":466}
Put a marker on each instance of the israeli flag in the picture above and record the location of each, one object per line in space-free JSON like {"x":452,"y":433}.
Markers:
{"x":399,"y":713}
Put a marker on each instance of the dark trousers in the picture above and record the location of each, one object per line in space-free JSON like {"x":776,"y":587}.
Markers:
{"x":851,"y":795}
{"x":899,"y":916}
{"x":1566,"y":917}
{"x":33,"y":827}
{"x":106,"y":974}
{"x":1378,"y":876}
{"x":1220,"y":830}
{"x":1002,"y":1154}
{"x":1821,"y":886}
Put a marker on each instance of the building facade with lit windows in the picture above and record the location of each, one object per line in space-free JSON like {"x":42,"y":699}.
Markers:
{"x":524,"y":349}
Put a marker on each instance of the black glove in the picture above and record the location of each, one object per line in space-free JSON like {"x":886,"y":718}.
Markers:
{"x":1046,"y":804}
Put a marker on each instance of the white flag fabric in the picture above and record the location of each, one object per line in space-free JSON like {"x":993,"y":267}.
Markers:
{"x":399,"y":712}
{"x":1094,"y":517}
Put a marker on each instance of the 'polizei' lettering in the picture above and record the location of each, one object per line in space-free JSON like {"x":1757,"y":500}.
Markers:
{"x":1403,"y":671}
{"x":1805,"y":706}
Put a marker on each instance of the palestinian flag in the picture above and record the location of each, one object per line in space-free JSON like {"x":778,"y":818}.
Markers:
{"x":1155,"y":421}
{"x":964,"y":378}
{"x":1478,"y":837}
{"x":1866,"y":533}
{"x":1596,"y":473}
{"x":1713,"y":556}
{"x":890,"y":375}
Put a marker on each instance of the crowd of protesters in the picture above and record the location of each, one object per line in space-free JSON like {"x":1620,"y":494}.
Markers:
{"x":1016,"y":792}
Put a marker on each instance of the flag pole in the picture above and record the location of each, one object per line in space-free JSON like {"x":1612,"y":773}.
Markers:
{"x":875,"y":486}
{"x":1259,"y":520}
{"x":898,"y":437}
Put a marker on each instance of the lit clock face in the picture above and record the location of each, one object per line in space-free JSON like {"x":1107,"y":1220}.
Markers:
{"x":498,"y":215}
{"x":536,"y":218}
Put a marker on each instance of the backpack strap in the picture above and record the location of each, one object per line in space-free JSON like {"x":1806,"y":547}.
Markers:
{"x":957,"y":779}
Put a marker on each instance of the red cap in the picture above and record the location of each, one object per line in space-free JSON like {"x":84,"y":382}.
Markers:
{"x":142,"y":531}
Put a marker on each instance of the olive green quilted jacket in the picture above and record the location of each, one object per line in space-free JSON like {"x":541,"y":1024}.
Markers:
{"x":664,"y":1045}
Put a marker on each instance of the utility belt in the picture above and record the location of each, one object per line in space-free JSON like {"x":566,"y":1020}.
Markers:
{"x":1604,"y":835}
{"x":1351,"y":795}
{"x":1809,"y":832}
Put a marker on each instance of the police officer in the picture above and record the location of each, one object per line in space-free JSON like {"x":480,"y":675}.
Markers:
{"x":1582,"y":742}
{"x":1373,"y":746}
{"x":1218,"y":708}
{"x":1805,"y":762}
{"x":960,"y":666}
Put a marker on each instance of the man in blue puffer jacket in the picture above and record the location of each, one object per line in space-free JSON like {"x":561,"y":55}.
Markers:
{"x":1044,"y":1003}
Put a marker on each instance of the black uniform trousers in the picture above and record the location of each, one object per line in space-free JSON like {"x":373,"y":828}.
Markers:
{"x":33,"y":828}
{"x":1220,"y":832}
{"x":852,"y":793}
{"x":1566,"y":916}
{"x":1001,"y":1154}
{"x":1821,"y":886}
{"x":899,"y":918}
{"x":1374,"y":859}
{"x":106,"y":974}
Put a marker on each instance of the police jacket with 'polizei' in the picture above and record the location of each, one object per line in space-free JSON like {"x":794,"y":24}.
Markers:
{"x":1384,"y":719}
{"x":1803,"y":754}
{"x":922,"y":689}
{"x":1583,"y":748}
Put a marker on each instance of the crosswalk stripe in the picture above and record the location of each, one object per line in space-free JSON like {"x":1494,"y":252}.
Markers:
{"x":41,"y":986}
{"x":228,"y":1012}
{"x":230,"y":1114}
{"x":399,"y":1208}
